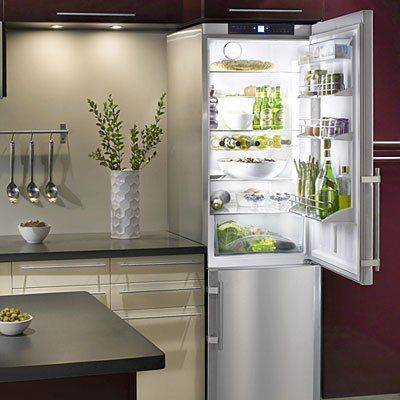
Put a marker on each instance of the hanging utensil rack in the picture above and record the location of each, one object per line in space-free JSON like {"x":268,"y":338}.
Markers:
{"x":63,"y":132}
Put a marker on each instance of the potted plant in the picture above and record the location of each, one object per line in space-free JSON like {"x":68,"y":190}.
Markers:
{"x":125,"y":207}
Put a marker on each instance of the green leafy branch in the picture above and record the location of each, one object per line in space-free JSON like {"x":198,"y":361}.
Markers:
{"x":143,"y":144}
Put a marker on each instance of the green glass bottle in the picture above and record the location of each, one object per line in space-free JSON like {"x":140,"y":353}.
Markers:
{"x":278,"y":116}
{"x":266,"y":110}
{"x":327,"y":187}
{"x":256,"y":110}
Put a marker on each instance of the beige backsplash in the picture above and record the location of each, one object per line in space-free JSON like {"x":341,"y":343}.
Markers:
{"x":50,"y":76}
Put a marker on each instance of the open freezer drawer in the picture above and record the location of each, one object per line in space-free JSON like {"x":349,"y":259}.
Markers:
{"x":351,"y":248}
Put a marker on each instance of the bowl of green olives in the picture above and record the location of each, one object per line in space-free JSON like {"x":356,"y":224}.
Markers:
{"x":13,"y":321}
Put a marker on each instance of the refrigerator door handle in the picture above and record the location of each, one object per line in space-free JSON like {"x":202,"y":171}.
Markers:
{"x":376,"y":181}
{"x":265,"y":10}
{"x":217,"y":291}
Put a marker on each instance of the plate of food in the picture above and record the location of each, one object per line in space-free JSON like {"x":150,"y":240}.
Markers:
{"x":242,"y":65}
{"x":251,"y":198}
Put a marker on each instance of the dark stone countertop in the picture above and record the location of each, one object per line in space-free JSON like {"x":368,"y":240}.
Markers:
{"x":72,"y":334}
{"x":96,"y":245}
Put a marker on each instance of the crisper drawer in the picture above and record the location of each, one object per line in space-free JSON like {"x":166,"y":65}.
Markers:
{"x":155,"y":269}
{"x":179,"y":333}
{"x":135,"y":296}
{"x":101,"y":292}
{"x":60,"y":273}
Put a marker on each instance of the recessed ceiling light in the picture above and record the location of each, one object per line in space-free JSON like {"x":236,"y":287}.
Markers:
{"x":116,"y":27}
{"x":57,"y":26}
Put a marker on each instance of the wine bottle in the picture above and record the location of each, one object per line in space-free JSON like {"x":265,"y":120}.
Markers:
{"x":277,"y":111}
{"x":266,"y":110}
{"x":219,"y":198}
{"x":228,"y":142}
{"x":327,"y":187}
{"x":344,"y":182}
{"x":257,"y":108}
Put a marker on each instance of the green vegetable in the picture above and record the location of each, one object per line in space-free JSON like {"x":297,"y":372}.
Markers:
{"x":263,"y":244}
{"x":12,"y":315}
{"x":228,"y":232}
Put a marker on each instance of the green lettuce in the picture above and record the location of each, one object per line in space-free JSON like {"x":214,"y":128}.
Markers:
{"x":228,"y":232}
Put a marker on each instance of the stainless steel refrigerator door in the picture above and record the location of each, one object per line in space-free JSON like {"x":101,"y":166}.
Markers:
{"x":264,"y":334}
{"x":352,"y":249}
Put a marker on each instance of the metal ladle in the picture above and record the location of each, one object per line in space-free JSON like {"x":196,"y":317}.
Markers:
{"x":32,"y":189}
{"x":51,"y":189}
{"x":12,"y":188}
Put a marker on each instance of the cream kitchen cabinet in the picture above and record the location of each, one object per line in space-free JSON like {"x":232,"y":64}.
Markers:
{"x":60,"y":273}
{"x":179,"y":332}
{"x":100,"y":292}
{"x":5,"y":278}
{"x":156,"y":269}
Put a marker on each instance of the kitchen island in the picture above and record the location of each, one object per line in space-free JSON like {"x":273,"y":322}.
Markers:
{"x":75,"y":348}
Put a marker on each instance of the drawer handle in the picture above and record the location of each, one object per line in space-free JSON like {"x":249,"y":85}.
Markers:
{"x":185,"y":315}
{"x":44,"y":267}
{"x":144,"y":264}
{"x":98,"y":293}
{"x":160,"y":290}
{"x":93,"y":14}
{"x":265,"y":10}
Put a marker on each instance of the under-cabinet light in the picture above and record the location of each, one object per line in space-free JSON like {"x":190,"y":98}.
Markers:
{"x":57,"y":26}
{"x":116,"y":27}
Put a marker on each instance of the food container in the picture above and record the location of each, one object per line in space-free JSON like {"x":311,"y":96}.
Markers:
{"x":34,"y":234}
{"x":14,"y":328}
{"x":315,"y":80}
{"x":330,"y":49}
{"x":332,"y":127}
{"x":252,"y":170}
{"x":333,"y":83}
{"x":238,"y":120}
{"x":251,"y":198}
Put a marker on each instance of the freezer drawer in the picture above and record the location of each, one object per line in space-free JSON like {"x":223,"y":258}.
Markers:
{"x":263,"y":333}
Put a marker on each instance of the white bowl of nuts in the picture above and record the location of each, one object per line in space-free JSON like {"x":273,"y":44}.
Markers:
{"x":13,"y":322}
{"x":34,"y":231}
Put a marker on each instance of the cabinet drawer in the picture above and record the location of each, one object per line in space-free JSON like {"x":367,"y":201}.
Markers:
{"x":156,"y":269}
{"x":179,"y":332}
{"x":101,"y":292}
{"x":60,"y":273}
{"x":136,"y":296}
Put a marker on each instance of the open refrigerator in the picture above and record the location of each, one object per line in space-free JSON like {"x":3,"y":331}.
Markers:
{"x":267,"y":236}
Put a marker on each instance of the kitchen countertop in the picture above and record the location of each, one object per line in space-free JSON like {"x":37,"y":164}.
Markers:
{"x":71,"y":335}
{"x":96,"y":245}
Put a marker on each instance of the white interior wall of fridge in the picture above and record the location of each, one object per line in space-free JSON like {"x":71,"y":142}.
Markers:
{"x":229,"y":89}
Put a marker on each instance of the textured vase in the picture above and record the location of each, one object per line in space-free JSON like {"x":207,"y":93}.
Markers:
{"x":125,"y":210}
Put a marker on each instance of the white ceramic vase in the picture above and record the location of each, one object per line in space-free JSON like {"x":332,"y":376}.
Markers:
{"x":125,"y":210}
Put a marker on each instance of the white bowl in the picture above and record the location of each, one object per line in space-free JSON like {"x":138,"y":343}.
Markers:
{"x":14,"y":328}
{"x":242,"y":170}
{"x":238,"y":121}
{"x":34,"y":234}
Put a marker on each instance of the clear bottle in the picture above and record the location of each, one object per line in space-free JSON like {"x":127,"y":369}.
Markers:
{"x":245,"y":142}
{"x":256,"y":109}
{"x":219,"y":198}
{"x":278,"y":116}
{"x":344,"y":182}
{"x":327,"y":188}
{"x":213,"y":109}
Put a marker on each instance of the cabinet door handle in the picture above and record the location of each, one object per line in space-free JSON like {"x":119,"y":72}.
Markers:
{"x":383,"y":158}
{"x":71,"y":266}
{"x":377,"y":217}
{"x":264,"y":10}
{"x":184,"y":315}
{"x":98,"y":293}
{"x":149,"y":264}
{"x":93,"y":14}
{"x":160,"y":290}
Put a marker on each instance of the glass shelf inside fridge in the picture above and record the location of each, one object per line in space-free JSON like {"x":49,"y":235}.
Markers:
{"x":324,"y":90}
{"x":252,"y":234}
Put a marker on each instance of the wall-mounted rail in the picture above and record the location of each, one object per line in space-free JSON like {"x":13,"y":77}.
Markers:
{"x":63,"y":132}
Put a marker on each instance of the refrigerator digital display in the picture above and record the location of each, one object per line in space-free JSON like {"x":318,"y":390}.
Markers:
{"x":260,"y":29}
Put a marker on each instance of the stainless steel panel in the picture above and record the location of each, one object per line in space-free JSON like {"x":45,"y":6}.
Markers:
{"x":270,"y":320}
{"x":185,"y":159}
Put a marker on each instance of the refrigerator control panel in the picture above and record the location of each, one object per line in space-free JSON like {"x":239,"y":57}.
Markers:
{"x":260,"y":29}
